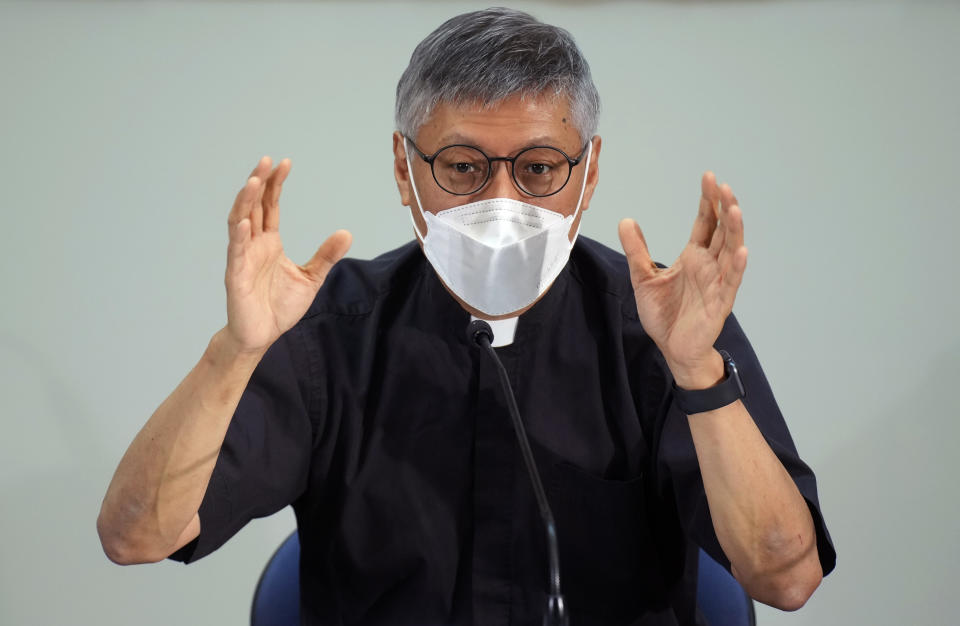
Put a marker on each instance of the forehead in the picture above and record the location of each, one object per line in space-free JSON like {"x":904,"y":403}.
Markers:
{"x":507,"y":126}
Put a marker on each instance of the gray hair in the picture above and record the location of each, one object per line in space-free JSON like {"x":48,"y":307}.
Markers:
{"x":484,"y":57}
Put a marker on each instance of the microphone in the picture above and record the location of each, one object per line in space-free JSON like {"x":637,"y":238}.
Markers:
{"x":478,"y":329}
{"x":480,"y":333}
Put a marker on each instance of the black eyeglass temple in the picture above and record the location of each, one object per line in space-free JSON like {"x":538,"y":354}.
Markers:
{"x":420,"y":153}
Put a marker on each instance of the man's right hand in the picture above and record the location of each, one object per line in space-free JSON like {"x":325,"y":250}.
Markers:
{"x":151,"y":506}
{"x":267,"y":293}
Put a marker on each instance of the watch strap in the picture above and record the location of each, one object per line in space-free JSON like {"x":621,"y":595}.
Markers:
{"x":727,"y":391}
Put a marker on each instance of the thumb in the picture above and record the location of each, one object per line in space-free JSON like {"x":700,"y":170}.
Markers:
{"x":331,"y":251}
{"x":635,"y":248}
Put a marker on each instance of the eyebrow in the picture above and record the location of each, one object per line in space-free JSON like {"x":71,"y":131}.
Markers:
{"x":457,"y":138}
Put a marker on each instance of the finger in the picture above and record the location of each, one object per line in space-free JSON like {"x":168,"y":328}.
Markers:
{"x":262,"y":168}
{"x":635,"y":248}
{"x":718,"y":239}
{"x":729,"y":235}
{"x":732,"y":242}
{"x":331,"y":251}
{"x":243,"y":204}
{"x":731,"y":216}
{"x":733,"y":238}
{"x":706,"y":221}
{"x":733,"y":276}
{"x":239,"y":236}
{"x":732,"y":256}
{"x":271,"y":196}
{"x":239,"y":240}
{"x":256,"y":212}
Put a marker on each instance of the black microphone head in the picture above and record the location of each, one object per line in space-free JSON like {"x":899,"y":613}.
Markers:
{"x":556,"y":613}
{"x":477,"y":330}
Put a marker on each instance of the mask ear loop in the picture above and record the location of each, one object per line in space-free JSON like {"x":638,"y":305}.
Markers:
{"x":586,"y":172}
{"x":416,"y":195}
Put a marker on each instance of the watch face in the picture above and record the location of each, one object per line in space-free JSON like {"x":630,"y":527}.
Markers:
{"x":735,"y":375}
{"x":732,"y":372}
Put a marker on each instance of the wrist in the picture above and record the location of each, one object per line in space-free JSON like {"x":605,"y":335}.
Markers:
{"x":225,"y":351}
{"x":700,"y":373}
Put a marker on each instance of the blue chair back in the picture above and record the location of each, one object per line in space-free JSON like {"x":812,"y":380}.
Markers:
{"x":276,"y":601}
{"x":721,"y":599}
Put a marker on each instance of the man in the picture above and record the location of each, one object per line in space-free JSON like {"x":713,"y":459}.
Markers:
{"x":349,"y":389}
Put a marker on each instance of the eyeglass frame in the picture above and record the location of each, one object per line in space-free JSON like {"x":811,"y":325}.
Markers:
{"x":490,"y":160}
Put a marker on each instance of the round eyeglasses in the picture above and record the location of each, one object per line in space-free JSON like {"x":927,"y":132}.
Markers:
{"x":463,"y":170}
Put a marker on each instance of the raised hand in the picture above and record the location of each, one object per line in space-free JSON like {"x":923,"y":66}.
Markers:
{"x":684,"y":306}
{"x":267,"y":293}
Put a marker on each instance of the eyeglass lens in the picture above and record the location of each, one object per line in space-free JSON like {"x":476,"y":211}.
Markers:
{"x":537,"y":171}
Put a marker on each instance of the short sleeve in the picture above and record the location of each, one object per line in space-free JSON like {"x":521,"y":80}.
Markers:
{"x":263,"y":464}
{"x":678,"y":471}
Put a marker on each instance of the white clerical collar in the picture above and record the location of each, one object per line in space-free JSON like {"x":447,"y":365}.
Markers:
{"x":503,"y":330}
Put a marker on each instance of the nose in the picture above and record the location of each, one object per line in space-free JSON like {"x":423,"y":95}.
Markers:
{"x":501,"y":183}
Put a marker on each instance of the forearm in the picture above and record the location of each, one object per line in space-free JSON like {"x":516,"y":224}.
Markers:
{"x":160,"y":481}
{"x":761,"y":520}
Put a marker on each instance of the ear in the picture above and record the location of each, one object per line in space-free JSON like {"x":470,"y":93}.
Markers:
{"x":593,"y":173}
{"x":400,"y":170}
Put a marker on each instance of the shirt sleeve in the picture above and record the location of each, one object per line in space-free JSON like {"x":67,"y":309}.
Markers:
{"x":678,"y":471}
{"x":263,"y":464}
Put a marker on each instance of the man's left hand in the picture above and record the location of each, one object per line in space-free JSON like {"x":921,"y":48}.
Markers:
{"x":683,"y":307}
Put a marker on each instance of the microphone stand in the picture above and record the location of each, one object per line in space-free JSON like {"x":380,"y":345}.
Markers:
{"x":480,"y":333}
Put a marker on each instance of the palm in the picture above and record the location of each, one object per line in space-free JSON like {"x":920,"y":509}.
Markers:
{"x":267,"y":293}
{"x":683,"y":307}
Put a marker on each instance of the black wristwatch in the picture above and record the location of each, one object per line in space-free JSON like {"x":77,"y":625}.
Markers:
{"x":729,"y":390}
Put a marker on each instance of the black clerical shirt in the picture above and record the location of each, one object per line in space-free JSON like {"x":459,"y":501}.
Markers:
{"x":389,"y":434}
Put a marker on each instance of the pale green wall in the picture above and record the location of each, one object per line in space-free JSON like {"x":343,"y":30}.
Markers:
{"x":126,"y":129}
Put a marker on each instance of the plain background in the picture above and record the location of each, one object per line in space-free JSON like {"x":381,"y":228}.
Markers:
{"x":127,"y":127}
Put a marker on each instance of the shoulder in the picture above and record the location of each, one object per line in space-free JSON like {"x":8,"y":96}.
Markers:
{"x":603,"y":272}
{"x":355,"y":286}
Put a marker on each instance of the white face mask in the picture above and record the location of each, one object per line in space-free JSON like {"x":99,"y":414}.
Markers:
{"x":499,"y":255}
